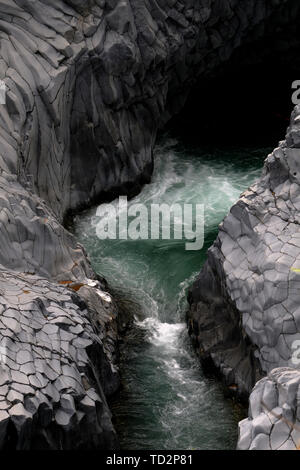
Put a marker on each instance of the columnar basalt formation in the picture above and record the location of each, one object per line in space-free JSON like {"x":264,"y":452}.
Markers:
{"x":244,"y":315}
{"x":53,"y":369}
{"x":88,"y":83}
{"x":274,"y":415}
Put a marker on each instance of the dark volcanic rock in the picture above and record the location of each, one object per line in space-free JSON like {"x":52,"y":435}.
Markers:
{"x":250,"y":280}
{"x":274,"y":417}
{"x":53,"y":368}
{"x":88,"y":85}
{"x":244,"y":313}
{"x":216,"y":329}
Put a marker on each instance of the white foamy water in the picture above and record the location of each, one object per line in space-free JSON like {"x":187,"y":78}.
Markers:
{"x":166,"y":401}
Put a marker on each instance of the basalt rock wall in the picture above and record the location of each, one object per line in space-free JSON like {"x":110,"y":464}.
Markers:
{"x":244,"y":306}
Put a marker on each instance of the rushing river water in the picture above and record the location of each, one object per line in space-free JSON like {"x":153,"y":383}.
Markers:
{"x":166,"y":401}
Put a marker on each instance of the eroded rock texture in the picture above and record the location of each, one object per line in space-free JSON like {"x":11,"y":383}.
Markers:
{"x":53,"y":366}
{"x":57,"y":338}
{"x":245,"y":313}
{"x":250,"y":282}
{"x":274,"y":415}
{"x":95,"y":79}
{"x":88,"y":84}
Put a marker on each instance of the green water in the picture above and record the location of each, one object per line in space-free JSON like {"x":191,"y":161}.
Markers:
{"x":166,"y":402}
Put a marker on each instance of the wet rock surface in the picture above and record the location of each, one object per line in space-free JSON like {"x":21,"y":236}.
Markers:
{"x":87,"y":86}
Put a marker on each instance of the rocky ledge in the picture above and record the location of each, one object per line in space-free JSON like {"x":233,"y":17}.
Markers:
{"x":88,"y":83}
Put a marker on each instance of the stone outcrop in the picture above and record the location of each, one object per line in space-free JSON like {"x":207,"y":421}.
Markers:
{"x":88,"y":83}
{"x":57,"y":332}
{"x":54,"y":369}
{"x":250,"y":281}
{"x":244,"y":314}
{"x":274,"y":415}
{"x":97,"y":78}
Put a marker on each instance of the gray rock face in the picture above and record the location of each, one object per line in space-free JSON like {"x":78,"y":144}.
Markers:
{"x":97,"y":78}
{"x":88,"y":84}
{"x":250,"y":281}
{"x":244,"y":314}
{"x":50,"y":387}
{"x":274,"y":418}
{"x":57,"y":350}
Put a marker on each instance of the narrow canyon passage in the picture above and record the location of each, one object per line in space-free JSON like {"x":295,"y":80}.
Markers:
{"x":166,"y":401}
